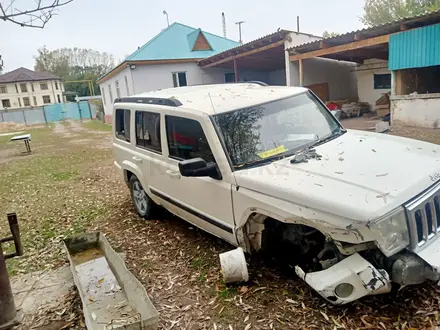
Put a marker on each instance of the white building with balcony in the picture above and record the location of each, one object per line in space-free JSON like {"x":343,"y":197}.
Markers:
{"x":26,"y":88}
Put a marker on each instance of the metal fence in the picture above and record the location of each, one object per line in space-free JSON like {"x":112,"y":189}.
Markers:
{"x":48,"y":113}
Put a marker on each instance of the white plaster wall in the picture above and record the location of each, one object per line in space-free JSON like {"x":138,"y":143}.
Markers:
{"x":418,"y":110}
{"x":107,"y":101}
{"x":294,"y":39}
{"x":365,"y":80}
{"x":13,"y":96}
{"x":214,"y":75}
{"x":338,"y":74}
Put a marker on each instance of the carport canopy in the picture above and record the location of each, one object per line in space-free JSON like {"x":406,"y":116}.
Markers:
{"x":265,"y":54}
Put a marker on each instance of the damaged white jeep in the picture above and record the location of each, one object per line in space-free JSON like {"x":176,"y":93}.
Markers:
{"x":270,"y":169}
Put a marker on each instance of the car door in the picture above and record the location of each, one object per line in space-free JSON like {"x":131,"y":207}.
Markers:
{"x":203,"y":201}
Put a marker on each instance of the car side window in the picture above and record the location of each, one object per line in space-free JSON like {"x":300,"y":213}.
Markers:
{"x":122,"y":124}
{"x":186,"y":139}
{"x":148,"y":130}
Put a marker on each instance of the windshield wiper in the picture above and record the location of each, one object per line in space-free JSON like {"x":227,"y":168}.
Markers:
{"x":332,"y":136}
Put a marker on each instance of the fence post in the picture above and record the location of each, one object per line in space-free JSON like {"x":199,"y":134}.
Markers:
{"x":79,"y":110}
{"x":44,"y":114}
{"x":24,"y":117}
{"x":90,"y":109}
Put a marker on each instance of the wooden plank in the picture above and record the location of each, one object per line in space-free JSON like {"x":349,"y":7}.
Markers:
{"x":201,"y":43}
{"x":321,"y":90}
{"x":250,"y":52}
{"x":343,"y":48}
{"x":301,"y":72}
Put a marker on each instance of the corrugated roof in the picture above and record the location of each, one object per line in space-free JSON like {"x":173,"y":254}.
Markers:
{"x":173,"y":43}
{"x":370,"y":32}
{"x":23,"y":74}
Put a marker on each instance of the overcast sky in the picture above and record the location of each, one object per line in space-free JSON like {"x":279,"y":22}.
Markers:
{"x":120,"y":26}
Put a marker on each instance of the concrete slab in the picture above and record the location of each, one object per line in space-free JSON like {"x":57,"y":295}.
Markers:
{"x":33,"y":290}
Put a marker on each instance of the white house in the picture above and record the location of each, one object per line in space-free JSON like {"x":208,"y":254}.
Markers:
{"x":168,"y":60}
{"x":25,"y":88}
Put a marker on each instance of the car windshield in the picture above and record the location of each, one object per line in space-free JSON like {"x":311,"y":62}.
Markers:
{"x":265,"y":132}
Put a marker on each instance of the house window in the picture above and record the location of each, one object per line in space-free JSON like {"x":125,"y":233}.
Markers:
{"x":32,"y":87}
{"x":46,"y":99}
{"x":23,"y":88}
{"x":3,"y":89}
{"x":56,"y":85}
{"x":110,"y":93}
{"x":179,"y":79}
{"x":126,"y":85}
{"x":16,"y":88}
{"x":43,"y":86}
{"x":382,"y":81}
{"x":148,"y":130}
{"x":59,"y":98}
{"x":186,"y":139}
{"x":103,"y":95}
{"x":118,"y":92}
{"x":26,"y":102}
{"x":122,"y":124}
{"x":19,"y":102}
{"x":35,"y":100}
{"x":6,"y":103}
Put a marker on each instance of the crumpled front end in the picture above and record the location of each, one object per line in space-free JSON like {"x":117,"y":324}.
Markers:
{"x":348,"y":280}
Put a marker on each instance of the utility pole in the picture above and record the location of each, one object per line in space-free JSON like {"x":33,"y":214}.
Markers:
{"x":239,"y":30}
{"x":166,"y":14}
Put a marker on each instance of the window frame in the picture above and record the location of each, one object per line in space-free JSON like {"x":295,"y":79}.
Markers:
{"x":48,"y":96}
{"x":44,"y":84}
{"x":143,"y":147}
{"x":5,"y":88}
{"x":110,"y":93}
{"x":117,"y":135}
{"x":9,"y":102}
{"x":28,"y":101}
{"x":176,"y":81}
{"x":23,"y":88}
{"x":126,"y":86}
{"x":118,"y":91}
{"x":381,"y":76}
{"x":56,"y":85}
{"x":35,"y":101}
{"x":59,"y":98}
{"x":170,"y":156}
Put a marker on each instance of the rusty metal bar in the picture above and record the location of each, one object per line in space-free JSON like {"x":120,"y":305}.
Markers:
{"x":7,"y":304}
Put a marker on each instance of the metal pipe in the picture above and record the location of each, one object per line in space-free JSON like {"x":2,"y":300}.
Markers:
{"x":297,"y":24}
{"x":7,"y":304}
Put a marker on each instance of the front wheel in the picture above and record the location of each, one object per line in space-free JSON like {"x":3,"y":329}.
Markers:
{"x":141,"y":201}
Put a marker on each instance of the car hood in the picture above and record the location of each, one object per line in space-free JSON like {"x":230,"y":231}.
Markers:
{"x":360,"y":176}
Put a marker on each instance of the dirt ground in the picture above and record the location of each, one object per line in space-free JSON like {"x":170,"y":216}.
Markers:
{"x":68,"y":185}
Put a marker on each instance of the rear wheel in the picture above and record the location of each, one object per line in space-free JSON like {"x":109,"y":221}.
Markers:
{"x":142,"y":202}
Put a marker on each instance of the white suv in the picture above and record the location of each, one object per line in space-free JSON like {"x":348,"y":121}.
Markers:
{"x":270,"y":169}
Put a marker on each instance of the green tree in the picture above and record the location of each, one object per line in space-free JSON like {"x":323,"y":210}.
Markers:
{"x":327,"y":34}
{"x":73,"y":64}
{"x":384,"y":11}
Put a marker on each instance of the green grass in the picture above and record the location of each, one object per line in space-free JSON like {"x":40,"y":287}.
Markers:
{"x":228,"y":292}
{"x":97,"y":125}
{"x":62,"y":176}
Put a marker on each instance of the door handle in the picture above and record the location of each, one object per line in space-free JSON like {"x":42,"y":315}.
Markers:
{"x":173,"y":174}
{"x":137,"y":159}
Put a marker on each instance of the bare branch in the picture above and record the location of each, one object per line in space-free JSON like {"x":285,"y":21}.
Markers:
{"x":36,"y":17}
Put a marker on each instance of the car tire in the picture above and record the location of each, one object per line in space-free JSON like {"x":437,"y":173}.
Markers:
{"x":142,"y":203}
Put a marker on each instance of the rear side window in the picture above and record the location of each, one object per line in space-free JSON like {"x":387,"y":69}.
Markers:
{"x":186,"y":139}
{"x":122,"y":124}
{"x":148,"y":130}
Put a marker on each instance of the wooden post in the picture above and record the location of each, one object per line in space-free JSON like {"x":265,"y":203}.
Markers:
{"x":300,"y":72}
{"x":235,"y":71}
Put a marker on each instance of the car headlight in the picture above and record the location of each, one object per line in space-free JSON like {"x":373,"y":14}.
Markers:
{"x":393,"y":231}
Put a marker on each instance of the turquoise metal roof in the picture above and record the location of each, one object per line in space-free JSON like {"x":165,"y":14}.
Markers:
{"x":415,"y":48}
{"x":177,"y":41}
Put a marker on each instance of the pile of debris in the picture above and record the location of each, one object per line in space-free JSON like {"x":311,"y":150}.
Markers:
{"x":354,"y":109}
{"x":383,"y":105}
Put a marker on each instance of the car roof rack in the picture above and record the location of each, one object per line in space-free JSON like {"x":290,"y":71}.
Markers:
{"x":171,"y":102}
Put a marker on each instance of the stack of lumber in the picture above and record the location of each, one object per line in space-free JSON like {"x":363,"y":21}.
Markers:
{"x":383,"y":105}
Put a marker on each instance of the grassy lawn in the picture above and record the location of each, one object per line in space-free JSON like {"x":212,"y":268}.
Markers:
{"x":69,"y":186}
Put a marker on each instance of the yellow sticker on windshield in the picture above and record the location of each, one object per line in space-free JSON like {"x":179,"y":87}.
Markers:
{"x":272,"y":152}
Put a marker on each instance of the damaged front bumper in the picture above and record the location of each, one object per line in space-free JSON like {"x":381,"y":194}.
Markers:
{"x":348,"y":280}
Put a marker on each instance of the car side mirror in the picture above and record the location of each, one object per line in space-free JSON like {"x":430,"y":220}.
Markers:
{"x":197,"y":167}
